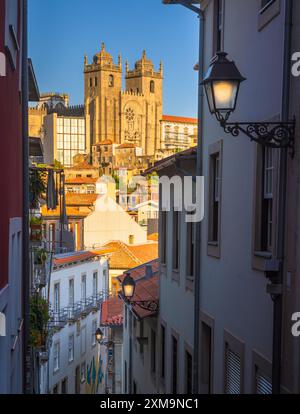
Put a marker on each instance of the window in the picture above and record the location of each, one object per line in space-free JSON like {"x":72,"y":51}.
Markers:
{"x":218,"y":25}
{"x":153,"y":352}
{"x":71,"y":293}
{"x":174,"y":373}
{"x":52,"y":237}
{"x":214,"y":199}
{"x":265,"y":4}
{"x":269,"y":9}
{"x":94,"y":329}
{"x":64,"y":386}
{"x":96,"y":81}
{"x":190,"y":250}
{"x":95,"y":284}
{"x":111,"y":81}
{"x":56,"y":357}
{"x":188,"y":373}
{"x":234,"y":351}
{"x":163,"y":238}
{"x":265,"y":208}
{"x":176,"y":231}
{"x":263,"y":383}
{"x":83,"y":340}
{"x":83,"y":289}
{"x":91,"y":82}
{"x":206,"y":358}
{"x":83,"y":371}
{"x":232,"y":372}
{"x":152,"y":87}
{"x":267,"y":202}
{"x":55,"y":389}
{"x":163,"y":352}
{"x":71,"y":348}
{"x":56,"y":298}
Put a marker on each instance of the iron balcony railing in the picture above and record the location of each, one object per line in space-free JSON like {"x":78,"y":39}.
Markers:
{"x":76,"y":311}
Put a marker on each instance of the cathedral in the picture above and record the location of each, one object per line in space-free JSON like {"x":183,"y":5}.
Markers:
{"x":132,"y":115}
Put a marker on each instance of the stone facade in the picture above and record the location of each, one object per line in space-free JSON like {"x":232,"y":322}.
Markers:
{"x":130,"y":116}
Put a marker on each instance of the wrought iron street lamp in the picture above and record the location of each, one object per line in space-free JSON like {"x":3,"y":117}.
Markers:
{"x":128,"y":288}
{"x":99,"y":335}
{"x":222,"y":84}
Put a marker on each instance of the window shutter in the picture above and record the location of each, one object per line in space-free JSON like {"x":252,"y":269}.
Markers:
{"x":263,"y":383}
{"x":232,"y":372}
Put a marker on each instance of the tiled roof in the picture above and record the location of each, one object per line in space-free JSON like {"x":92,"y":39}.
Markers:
{"x":81,"y":180}
{"x":153,"y":237}
{"x":74,"y":257}
{"x":80,"y":199}
{"x":180,"y":119}
{"x":124,"y":256}
{"x":106,"y":142}
{"x":165,"y":162}
{"x":82,"y":166}
{"x":112,"y":312}
{"x":126,"y":145}
{"x":71,"y":212}
{"x":147,"y":288}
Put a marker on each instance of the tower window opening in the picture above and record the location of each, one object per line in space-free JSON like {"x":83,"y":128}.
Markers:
{"x":152,"y":87}
{"x":111,"y":81}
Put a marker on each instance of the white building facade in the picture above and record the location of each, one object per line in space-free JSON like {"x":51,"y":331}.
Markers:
{"x":78,"y":285}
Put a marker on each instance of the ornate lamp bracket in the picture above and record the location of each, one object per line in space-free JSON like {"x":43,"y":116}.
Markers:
{"x":268,"y":134}
{"x":148,"y":305}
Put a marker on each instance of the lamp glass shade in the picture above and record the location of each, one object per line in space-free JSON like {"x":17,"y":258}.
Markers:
{"x":225,"y":94}
{"x":99,"y":335}
{"x":128,"y":286}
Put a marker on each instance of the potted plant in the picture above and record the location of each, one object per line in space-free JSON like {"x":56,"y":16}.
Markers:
{"x":41,"y":257}
{"x":36,"y":229}
{"x":39,"y":319}
{"x":36,"y":187}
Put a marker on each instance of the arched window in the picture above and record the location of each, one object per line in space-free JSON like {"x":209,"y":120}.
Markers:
{"x":152,"y":87}
{"x":111,"y":81}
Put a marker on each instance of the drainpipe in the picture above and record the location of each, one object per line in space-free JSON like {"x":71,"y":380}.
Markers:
{"x":27,"y":385}
{"x":199,"y":172}
{"x":278,"y":299}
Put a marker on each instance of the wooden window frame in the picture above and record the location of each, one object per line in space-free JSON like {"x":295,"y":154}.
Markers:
{"x":210,"y":322}
{"x":263,"y":364}
{"x":214,"y":246}
{"x":267,"y":13}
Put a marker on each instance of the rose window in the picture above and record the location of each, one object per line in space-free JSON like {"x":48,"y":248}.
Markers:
{"x":130,"y":115}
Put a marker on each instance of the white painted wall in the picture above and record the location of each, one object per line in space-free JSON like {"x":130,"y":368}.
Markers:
{"x":85,"y":349}
{"x":110,"y":222}
{"x":232,"y":293}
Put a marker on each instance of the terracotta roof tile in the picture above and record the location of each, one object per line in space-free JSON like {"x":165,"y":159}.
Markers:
{"x":124,"y":256}
{"x":147,"y":288}
{"x":112,"y":312}
{"x":71,"y":212}
{"x":80,"y":199}
{"x":180,"y":119}
{"x":81,"y":180}
{"x":73,"y":258}
{"x":126,"y":145}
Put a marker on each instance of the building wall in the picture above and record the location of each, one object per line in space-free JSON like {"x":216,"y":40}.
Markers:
{"x":136,"y":359}
{"x":232,"y":293}
{"x":11,"y":210}
{"x":291,"y":354}
{"x":175,"y":135}
{"x":36,"y":121}
{"x":110,"y":222}
{"x":85,"y":348}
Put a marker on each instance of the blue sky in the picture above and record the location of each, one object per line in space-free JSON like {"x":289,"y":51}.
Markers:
{"x":62,"y":31}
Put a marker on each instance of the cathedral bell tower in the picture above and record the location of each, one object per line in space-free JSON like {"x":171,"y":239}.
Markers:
{"x":144,"y":81}
{"x":102,"y":92}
